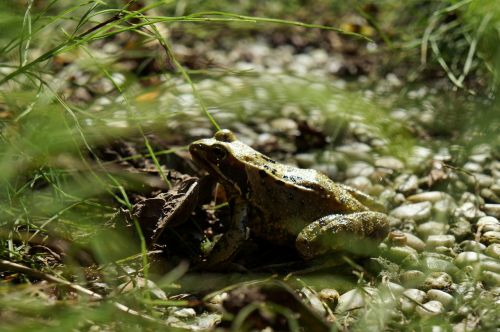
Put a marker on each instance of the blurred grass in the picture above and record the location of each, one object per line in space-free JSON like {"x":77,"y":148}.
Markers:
{"x":53,"y":180}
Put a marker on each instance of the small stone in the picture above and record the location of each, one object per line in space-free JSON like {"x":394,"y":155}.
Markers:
{"x":434,"y":241}
{"x":430,"y":309}
{"x":489,"y":195}
{"x":406,"y":183}
{"x":305,"y":160}
{"x":483,"y":180}
{"x":390,"y":163}
{"x":492,"y":210}
{"x":438,"y":280}
{"x":397,"y":238}
{"x":410,"y":298}
{"x":394,"y":288}
{"x":490,"y":237}
{"x":492,"y":265}
{"x":331,"y":170}
{"x":493,"y":250}
{"x":329,"y":296}
{"x":461,"y":228}
{"x":438,"y":295}
{"x":400,"y":253}
{"x":414,"y":242}
{"x":286,"y":125}
{"x":432,"y":228}
{"x":444,"y":251}
{"x":353,"y":299}
{"x":469,"y":211}
{"x":443,"y":209}
{"x":313,"y":300}
{"x":467,"y":325}
{"x":360,"y":168}
{"x":473,"y":167}
{"x":415,"y":211}
{"x":487,"y":223}
{"x":438,"y":263}
{"x":412,"y":278}
{"x":491,"y":278}
{"x":469,"y":245}
{"x":361,"y":183}
{"x":428,"y":196}
{"x":185,"y":313}
{"x":469,"y":258}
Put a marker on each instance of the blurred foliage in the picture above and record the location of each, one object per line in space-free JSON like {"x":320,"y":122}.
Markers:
{"x":51,"y":174}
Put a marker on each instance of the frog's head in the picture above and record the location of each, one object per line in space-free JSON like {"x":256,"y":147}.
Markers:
{"x":226,"y":158}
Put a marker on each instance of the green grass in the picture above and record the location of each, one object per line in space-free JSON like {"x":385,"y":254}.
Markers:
{"x":54,"y":180}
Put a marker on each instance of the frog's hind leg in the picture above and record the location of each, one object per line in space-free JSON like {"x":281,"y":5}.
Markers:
{"x":358,"y":233}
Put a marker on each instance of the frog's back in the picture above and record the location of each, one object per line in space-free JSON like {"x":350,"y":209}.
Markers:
{"x":289,"y":198}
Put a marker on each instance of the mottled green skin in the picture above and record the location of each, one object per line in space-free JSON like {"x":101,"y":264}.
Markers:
{"x":286,"y":204}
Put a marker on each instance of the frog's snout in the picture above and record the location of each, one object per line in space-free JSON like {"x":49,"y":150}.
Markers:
{"x":196,"y":149}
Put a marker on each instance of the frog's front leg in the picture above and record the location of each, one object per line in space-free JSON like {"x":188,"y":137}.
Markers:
{"x":235,"y":235}
{"x":358,"y":233}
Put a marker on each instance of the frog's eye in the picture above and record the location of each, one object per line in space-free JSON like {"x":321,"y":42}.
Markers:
{"x":219,"y":153}
{"x":225,"y":135}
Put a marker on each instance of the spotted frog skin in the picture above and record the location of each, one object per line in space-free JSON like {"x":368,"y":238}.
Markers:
{"x":286,"y":204}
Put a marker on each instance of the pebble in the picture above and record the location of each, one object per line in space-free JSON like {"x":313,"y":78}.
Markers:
{"x":438,"y":280}
{"x":469,"y":211}
{"x":286,"y":125}
{"x":470,"y":245}
{"x":185,"y":313}
{"x":487,"y":220}
{"x":490,"y":237}
{"x":314,"y":301}
{"x":394,"y":288}
{"x":491,"y":278}
{"x":360,"y":168}
{"x":305,"y":160}
{"x":492,"y":265}
{"x":430,"y":309}
{"x":390,"y":163}
{"x":416,"y":211}
{"x":493,"y":250}
{"x":397,"y":238}
{"x":406,"y":183}
{"x":353,"y":299}
{"x":361,"y":183}
{"x":410,"y":299}
{"x":400,"y":253}
{"x":473,"y":167}
{"x":484,"y":180}
{"x":461,"y":228}
{"x":489,"y":195}
{"x":428,"y":196}
{"x":434,"y":241}
{"x":414,"y":242}
{"x":412,"y":278}
{"x":438,"y":262}
{"x":329,"y":296}
{"x":443,"y":208}
{"x":360,"y":151}
{"x":492,"y":210}
{"x":469,"y":258}
{"x":438,"y":295}
{"x":432,"y":228}
{"x":467,"y":325}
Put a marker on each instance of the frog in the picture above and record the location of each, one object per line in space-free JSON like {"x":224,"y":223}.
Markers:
{"x":287,"y":205}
